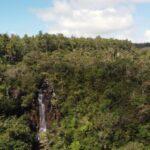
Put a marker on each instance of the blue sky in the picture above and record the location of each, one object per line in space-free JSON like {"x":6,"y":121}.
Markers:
{"x":118,"y":19}
{"x":16,"y":16}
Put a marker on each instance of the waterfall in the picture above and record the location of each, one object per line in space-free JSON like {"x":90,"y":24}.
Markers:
{"x":42,"y":125}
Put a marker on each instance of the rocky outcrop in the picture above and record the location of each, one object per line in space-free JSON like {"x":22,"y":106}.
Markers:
{"x":51,"y":110}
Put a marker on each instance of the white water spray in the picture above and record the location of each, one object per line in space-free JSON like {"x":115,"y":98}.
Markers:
{"x":42,"y":127}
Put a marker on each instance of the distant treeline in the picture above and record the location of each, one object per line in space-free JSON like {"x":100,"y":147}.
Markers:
{"x":142,"y":45}
{"x":14,"y":47}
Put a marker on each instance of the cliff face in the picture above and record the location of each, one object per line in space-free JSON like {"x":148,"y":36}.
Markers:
{"x":47,"y":91}
{"x":52,"y":110}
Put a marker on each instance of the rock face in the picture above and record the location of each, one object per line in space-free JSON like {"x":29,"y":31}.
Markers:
{"x":42,"y":114}
{"x":51,"y":110}
{"x":44,"y":111}
{"x":14,"y":93}
{"x":47,"y":92}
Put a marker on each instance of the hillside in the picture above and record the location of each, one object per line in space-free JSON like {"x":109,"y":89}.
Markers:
{"x":96,"y":93}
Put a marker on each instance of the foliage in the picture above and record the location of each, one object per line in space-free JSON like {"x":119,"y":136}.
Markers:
{"x":101,"y":85}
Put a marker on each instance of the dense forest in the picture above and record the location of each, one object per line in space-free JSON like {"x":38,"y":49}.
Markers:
{"x":97,"y":93}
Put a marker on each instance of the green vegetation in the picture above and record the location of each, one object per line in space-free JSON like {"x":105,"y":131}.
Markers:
{"x":102,"y":91}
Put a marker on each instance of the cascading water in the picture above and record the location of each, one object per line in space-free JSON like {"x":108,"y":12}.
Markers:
{"x":42,"y":125}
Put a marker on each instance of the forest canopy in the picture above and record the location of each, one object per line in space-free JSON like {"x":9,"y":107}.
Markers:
{"x":102,"y":91}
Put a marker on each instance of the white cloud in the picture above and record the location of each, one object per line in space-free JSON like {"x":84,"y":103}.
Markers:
{"x":93,"y":22}
{"x":140,"y":1}
{"x":89,"y":17}
{"x":147,"y":35}
{"x":102,"y":3}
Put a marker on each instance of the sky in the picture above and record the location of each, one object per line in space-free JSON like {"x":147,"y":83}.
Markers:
{"x":122,"y":19}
